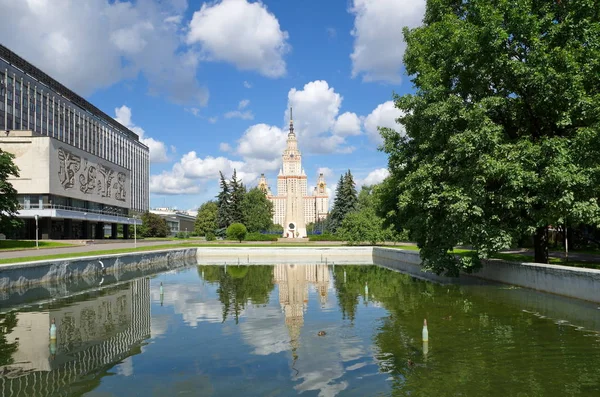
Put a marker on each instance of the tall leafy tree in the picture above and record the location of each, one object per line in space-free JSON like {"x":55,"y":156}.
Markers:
{"x":223,"y":204}
{"x":154,"y":226}
{"x":206,"y":220}
{"x":9,"y":204}
{"x":258,"y":211}
{"x":238,"y":191}
{"x":502,"y":132}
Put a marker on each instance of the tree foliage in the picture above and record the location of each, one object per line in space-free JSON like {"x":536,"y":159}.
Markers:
{"x":9,"y":204}
{"x":153,"y":226}
{"x":346,"y":200}
{"x":223,"y":203}
{"x":238,"y":192}
{"x":236,"y":231}
{"x":502,"y":133}
{"x":206,"y":219}
{"x":257,"y":211}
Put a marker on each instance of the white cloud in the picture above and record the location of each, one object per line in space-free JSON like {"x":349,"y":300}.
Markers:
{"x":194,"y":111}
{"x":158,"y":150}
{"x":347,"y":124}
{"x":173,"y":182}
{"x":374,"y":177}
{"x":224,"y":147}
{"x":378,"y":40}
{"x":242,"y":33}
{"x":236,"y":114}
{"x":316,"y":108}
{"x":383,"y":115}
{"x":326,"y":171}
{"x":212,"y":120}
{"x":247,"y":84}
{"x":262,"y":141}
{"x":104,"y":42}
{"x":243,"y":103}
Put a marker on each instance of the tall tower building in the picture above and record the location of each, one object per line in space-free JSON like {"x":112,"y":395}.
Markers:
{"x":293,"y":207}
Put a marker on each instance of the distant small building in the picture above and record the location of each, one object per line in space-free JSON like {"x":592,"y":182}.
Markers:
{"x":178,"y":221}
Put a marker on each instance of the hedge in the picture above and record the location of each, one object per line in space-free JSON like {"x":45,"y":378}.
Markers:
{"x":261,"y":237}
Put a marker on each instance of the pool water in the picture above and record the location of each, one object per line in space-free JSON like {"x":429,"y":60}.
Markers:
{"x":315,"y":330}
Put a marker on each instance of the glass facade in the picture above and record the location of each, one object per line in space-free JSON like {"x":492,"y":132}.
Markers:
{"x":32,"y":100}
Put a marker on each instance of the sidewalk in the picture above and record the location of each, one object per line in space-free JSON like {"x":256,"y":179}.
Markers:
{"x":84,"y":248}
{"x":573,"y":256}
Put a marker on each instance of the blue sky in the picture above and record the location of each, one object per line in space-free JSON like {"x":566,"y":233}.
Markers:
{"x":207,"y":85}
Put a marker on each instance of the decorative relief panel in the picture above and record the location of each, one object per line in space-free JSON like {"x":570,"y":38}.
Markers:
{"x":81,"y":174}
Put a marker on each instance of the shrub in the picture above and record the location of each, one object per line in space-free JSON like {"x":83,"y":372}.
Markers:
{"x":262,"y":237}
{"x":324,"y":237}
{"x":210,"y":236}
{"x":236,"y":231}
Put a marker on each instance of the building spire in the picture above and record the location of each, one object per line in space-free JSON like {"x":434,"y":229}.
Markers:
{"x":291,"y":123}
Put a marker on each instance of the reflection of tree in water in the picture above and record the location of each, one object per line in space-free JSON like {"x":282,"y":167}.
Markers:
{"x":239,"y":285}
{"x":7,"y":323}
{"x":479,"y":345}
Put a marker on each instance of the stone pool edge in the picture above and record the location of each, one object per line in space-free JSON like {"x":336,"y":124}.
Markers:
{"x":579,"y":283}
{"x":573,"y":282}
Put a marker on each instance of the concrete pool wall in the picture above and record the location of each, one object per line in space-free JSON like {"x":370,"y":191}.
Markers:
{"x":562,"y":280}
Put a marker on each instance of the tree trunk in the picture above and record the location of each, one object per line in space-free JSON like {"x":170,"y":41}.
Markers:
{"x":540,"y":243}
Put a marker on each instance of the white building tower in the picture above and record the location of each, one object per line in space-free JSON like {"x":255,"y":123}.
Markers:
{"x":293,"y":207}
{"x":295,"y":187}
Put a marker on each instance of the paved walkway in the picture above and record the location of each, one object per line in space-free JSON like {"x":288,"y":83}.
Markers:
{"x":574,"y":256}
{"x":85,"y":248}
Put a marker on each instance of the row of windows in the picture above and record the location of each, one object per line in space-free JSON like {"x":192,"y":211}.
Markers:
{"x":26,"y":105}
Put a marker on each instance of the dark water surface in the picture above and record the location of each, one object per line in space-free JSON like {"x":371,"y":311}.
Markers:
{"x":254,"y":331}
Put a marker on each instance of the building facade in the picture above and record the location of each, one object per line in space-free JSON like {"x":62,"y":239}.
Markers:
{"x":79,"y":168}
{"x":177,"y":221}
{"x":293,"y":207}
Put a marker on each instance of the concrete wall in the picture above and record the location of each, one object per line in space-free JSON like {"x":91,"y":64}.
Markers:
{"x":31,"y":156}
{"x":561,"y":280}
{"x":270,"y":255}
{"x":88,"y":270}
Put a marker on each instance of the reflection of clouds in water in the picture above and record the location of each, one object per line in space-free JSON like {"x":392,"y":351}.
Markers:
{"x":192,"y":301}
{"x":125,"y":368}
{"x":321,"y":362}
{"x":264,"y":329}
{"x":159,"y":325}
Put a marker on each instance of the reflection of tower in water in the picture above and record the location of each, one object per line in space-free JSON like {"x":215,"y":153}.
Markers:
{"x":293,"y":281}
{"x":91,"y":335}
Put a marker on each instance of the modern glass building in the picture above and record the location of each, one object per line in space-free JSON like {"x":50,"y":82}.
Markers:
{"x":79,"y":168}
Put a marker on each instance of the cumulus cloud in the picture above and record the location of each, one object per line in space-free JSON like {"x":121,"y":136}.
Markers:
{"x":247,"y":84}
{"x":383,"y":115}
{"x":347,"y":124}
{"x":262,"y":141}
{"x":316,"y":108}
{"x":91,"y":47}
{"x":158,"y":150}
{"x":378,"y":40}
{"x":242,"y":33}
{"x":243,"y":103}
{"x":374,"y":177}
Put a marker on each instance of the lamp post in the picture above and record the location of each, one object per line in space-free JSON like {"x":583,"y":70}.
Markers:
{"x":37,"y":244}
{"x":135,"y":231}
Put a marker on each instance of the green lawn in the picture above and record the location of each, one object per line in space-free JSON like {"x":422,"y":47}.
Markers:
{"x":13,"y":245}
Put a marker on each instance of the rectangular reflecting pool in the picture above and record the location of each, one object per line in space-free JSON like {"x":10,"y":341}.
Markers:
{"x":291,"y":329}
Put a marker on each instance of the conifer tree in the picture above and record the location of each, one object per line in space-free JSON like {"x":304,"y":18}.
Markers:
{"x":350,"y":194}
{"x":223,"y":204}
{"x":337,"y":212}
{"x":237,"y":193}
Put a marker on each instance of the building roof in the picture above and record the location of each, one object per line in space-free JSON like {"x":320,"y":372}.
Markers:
{"x":31,"y":70}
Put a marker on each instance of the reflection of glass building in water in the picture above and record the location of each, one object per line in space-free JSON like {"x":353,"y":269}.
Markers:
{"x":92,"y":336}
{"x":293,"y":281}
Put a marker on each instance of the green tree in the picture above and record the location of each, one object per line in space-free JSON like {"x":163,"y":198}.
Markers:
{"x":502,"y":132}
{"x":223,"y":204}
{"x":238,"y":192}
{"x":337,"y":211}
{"x":258,"y":211}
{"x":9,"y":204}
{"x":349,"y":193}
{"x":362,"y":226}
{"x":153,"y":226}
{"x":206,"y":220}
{"x":236,"y":231}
